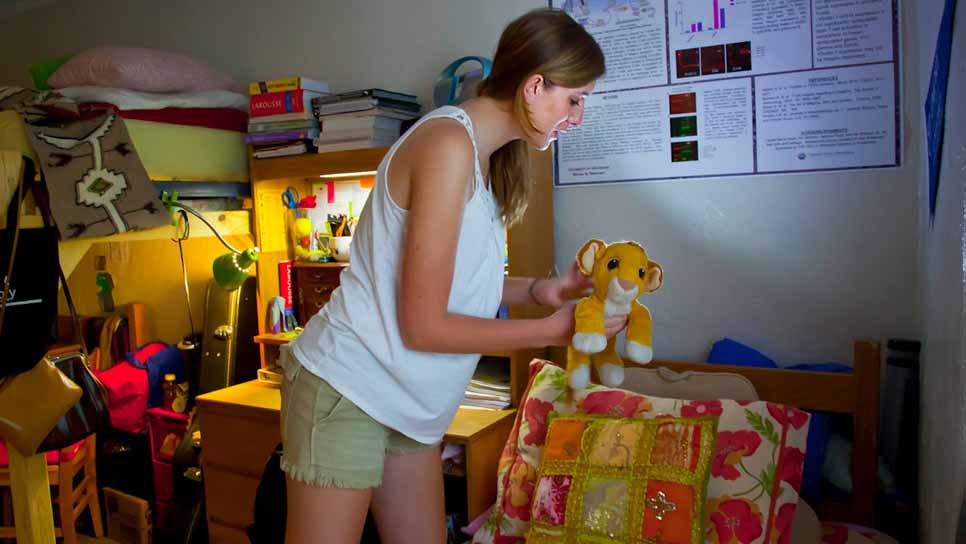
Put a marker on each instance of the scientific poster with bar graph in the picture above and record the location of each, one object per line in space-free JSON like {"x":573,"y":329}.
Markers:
{"x":715,"y":88}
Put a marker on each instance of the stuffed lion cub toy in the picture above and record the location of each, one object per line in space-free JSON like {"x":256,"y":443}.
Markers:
{"x":621,"y":272}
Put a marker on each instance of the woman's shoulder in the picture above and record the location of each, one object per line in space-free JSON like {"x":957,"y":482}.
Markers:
{"x":440,"y":135}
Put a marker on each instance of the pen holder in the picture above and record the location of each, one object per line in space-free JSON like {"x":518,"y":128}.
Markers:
{"x":340,"y":248}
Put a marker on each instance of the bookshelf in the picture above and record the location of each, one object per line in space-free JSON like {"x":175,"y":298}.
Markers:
{"x":530,"y":244}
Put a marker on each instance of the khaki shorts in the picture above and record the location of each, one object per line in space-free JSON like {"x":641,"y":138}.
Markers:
{"x":327,"y":441}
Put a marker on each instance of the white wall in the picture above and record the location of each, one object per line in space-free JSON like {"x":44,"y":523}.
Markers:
{"x":797,"y":266}
{"x":352,"y":44}
{"x":943,"y":373}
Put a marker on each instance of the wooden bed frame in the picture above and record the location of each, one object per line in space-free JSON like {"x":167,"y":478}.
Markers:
{"x":856,"y":394}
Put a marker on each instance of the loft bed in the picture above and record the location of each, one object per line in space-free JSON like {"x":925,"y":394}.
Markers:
{"x":855,"y":394}
{"x":204,"y":160}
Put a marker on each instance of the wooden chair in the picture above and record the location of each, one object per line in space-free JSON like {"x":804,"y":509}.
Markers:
{"x":71,"y":498}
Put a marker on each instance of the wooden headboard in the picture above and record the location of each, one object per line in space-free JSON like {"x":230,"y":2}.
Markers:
{"x":856,"y":394}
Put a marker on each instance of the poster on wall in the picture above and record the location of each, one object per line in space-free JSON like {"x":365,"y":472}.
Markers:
{"x":708,"y":88}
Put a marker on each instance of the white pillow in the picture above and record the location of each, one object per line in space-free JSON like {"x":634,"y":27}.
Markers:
{"x":139,"y":69}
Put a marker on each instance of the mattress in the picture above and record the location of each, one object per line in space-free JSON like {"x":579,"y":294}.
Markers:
{"x":172,"y":152}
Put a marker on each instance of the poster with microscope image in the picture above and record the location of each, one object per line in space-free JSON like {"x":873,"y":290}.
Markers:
{"x":681,"y":131}
{"x":708,"y":88}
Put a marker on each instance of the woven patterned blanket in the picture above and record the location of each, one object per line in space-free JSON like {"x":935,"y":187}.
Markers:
{"x":96,"y":181}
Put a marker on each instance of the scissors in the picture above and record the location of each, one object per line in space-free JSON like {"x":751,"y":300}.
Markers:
{"x":290,"y":198}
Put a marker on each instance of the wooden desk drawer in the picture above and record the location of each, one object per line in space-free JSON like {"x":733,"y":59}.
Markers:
{"x":229,"y":497}
{"x":314,"y":289}
{"x":239,"y":444}
{"x":311,"y":299}
{"x":316,"y":293}
{"x":314,"y":276}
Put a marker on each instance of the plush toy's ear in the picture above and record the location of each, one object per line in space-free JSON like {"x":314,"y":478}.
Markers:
{"x":655,"y":276}
{"x":587,"y":255}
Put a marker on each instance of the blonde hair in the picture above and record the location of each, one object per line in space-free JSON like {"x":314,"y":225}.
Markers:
{"x":544,"y":41}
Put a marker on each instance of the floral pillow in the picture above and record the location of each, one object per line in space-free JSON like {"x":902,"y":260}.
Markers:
{"x":615,"y":479}
{"x":756,"y":471}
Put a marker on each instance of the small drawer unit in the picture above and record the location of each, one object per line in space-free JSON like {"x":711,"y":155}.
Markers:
{"x":314,"y":284}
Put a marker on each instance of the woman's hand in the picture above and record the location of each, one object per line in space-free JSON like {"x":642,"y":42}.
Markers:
{"x":561,"y":324}
{"x":555,"y":292}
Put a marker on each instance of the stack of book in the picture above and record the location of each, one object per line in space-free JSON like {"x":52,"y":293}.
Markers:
{"x":363,"y":118}
{"x":490,"y":387}
{"x":280,"y":119}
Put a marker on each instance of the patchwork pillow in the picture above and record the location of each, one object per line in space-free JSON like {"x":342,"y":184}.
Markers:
{"x":614,"y":479}
{"x":756,"y":471}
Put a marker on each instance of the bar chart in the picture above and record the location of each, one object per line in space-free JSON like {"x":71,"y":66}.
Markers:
{"x":703,"y":16}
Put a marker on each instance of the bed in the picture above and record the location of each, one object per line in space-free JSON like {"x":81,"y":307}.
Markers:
{"x":855,"y":394}
{"x":195,"y":147}
{"x":170,"y":151}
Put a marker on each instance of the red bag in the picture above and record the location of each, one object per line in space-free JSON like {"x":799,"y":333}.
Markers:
{"x":127,"y":396}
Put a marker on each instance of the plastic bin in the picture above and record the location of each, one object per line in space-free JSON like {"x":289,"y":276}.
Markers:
{"x":166,"y":429}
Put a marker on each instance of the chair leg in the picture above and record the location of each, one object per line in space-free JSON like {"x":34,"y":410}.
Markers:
{"x":94,"y":503}
{"x":93,"y":497}
{"x":6,"y":512}
{"x":65,"y":506}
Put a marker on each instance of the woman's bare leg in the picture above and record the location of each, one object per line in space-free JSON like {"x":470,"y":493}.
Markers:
{"x":408,"y":506}
{"x":328,"y":515}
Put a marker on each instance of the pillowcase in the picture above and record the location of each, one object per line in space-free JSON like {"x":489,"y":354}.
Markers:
{"x":139,"y":69}
{"x":615,"y":479}
{"x":756,"y":471}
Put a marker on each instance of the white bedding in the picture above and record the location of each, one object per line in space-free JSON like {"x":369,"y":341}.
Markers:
{"x":126,"y":99}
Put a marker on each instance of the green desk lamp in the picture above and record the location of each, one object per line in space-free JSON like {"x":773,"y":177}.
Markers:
{"x":231,"y":269}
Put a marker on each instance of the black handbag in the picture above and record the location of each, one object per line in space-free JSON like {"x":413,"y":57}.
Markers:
{"x":29,"y":260}
{"x":90,"y":414}
{"x":85,"y":418}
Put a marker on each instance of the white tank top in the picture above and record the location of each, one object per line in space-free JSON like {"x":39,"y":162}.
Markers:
{"x":354,"y":341}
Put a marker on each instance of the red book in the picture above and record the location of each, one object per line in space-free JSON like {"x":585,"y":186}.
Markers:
{"x":285,"y":283}
{"x":299,"y":101}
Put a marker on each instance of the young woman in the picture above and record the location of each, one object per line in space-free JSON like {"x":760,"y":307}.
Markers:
{"x":376,"y":377}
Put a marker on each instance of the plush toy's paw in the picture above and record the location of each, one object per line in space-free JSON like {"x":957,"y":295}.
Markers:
{"x":567,"y":407}
{"x":639,"y":353}
{"x":579,"y":377}
{"x":589,"y":342}
{"x":611,"y":375}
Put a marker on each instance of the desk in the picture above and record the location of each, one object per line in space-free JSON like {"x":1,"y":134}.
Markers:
{"x":240,"y":429}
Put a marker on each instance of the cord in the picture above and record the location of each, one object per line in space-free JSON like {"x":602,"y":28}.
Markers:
{"x":182,"y":209}
{"x":180,"y":238}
